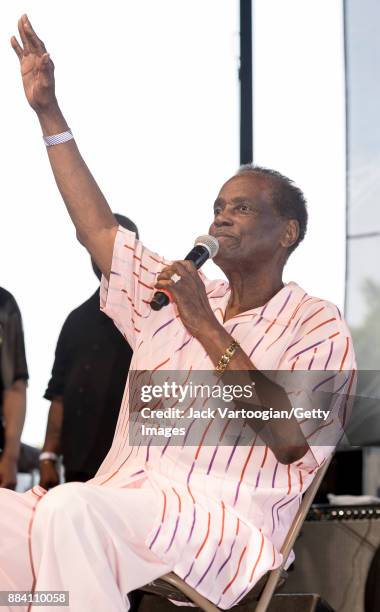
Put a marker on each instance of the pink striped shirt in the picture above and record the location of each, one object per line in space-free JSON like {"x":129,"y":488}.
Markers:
{"x":222,"y":511}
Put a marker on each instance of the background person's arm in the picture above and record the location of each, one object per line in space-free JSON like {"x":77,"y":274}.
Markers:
{"x":14,"y":409}
{"x":14,"y":374}
{"x":94,"y":222}
{"x":49,"y":476}
{"x":63,"y":360}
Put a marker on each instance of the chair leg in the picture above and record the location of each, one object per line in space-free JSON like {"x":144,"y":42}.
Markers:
{"x":268,"y":591}
{"x":191,"y":593}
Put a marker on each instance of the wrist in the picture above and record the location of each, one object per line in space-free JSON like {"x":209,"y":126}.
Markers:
{"x":9,"y":456}
{"x":11,"y":450}
{"x":51,"y":119}
{"x":48,"y":456}
{"x":211,"y":331}
{"x":214,"y":338}
{"x":50,"y":109}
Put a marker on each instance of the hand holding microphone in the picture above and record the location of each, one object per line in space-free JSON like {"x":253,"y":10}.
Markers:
{"x":186,"y":288}
{"x":204,"y":248}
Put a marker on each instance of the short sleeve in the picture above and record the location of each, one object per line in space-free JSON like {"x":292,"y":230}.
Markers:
{"x":126,"y":296}
{"x":13,"y":357}
{"x":320,"y":380}
{"x":56,"y":385}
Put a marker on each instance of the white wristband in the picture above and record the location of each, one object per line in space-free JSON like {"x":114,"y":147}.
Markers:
{"x":46,"y":456}
{"x":55,"y":139}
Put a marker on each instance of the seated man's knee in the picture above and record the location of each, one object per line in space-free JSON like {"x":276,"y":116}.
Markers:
{"x":65,"y":500}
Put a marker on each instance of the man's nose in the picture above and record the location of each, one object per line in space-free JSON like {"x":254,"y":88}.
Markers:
{"x":223,"y":217}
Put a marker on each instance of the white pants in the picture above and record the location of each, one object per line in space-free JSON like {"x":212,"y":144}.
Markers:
{"x":78,"y":537}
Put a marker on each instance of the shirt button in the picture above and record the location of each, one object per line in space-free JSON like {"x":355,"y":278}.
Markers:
{"x":80,"y":389}
{"x":87,"y":367}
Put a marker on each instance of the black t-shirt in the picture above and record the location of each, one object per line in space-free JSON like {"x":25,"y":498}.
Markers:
{"x":90,"y":370}
{"x":13,"y":364}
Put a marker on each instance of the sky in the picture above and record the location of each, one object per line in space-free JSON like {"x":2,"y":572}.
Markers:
{"x":151,"y":93}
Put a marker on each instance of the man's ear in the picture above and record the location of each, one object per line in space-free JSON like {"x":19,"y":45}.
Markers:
{"x":291,"y":233}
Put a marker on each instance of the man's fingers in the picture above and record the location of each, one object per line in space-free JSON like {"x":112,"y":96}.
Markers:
{"x":164,"y":283}
{"x":23,"y":36}
{"x":35,"y":43}
{"x":165,"y":274}
{"x":16,"y":47}
{"x":46,"y":65}
{"x":184,"y":267}
{"x":177,"y":267}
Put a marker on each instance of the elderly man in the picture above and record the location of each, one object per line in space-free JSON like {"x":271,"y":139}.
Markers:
{"x":214,"y":513}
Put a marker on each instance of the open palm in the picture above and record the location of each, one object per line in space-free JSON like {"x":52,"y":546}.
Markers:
{"x":37,"y":69}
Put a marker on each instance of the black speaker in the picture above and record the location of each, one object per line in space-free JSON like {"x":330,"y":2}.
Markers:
{"x":307,"y":602}
{"x":333,"y":555}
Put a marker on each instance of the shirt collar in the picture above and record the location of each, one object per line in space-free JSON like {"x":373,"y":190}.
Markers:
{"x":279,"y":309}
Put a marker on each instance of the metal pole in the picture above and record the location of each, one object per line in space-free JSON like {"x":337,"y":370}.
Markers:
{"x":245,"y":76}
{"x":348,"y":165}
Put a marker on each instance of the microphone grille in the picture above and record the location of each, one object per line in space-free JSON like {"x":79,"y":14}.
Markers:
{"x":209,"y":242}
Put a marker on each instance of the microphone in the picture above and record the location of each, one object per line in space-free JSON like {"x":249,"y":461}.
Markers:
{"x":204,"y":247}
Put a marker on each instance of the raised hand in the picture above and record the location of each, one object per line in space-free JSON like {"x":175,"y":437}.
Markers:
{"x":95,"y":224}
{"x":37,"y":69}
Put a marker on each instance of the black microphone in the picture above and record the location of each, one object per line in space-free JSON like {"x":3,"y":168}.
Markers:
{"x":205,"y":247}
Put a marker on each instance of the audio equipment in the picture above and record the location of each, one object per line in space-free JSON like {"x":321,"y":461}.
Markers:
{"x":333,"y":555}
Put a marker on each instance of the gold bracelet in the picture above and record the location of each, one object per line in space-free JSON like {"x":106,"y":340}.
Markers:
{"x":226,"y":357}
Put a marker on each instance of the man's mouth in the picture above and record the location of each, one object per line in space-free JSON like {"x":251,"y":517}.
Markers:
{"x":223,"y":236}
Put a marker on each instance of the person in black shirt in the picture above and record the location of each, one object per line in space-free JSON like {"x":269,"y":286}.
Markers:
{"x":13,"y":383}
{"x":89,"y":373}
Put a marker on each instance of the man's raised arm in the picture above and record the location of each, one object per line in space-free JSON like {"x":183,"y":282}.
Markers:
{"x":94,"y":222}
